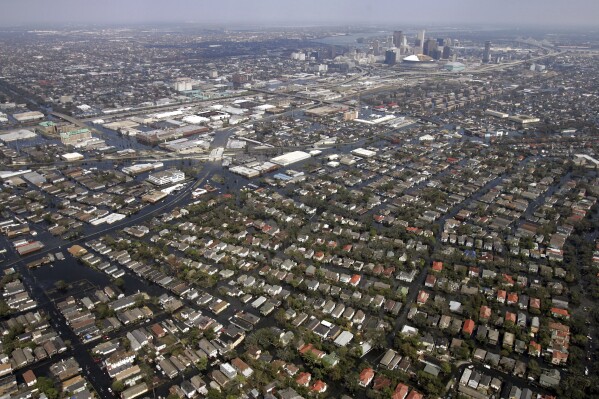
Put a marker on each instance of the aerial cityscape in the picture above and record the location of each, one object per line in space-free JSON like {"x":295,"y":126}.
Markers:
{"x":286,"y":200}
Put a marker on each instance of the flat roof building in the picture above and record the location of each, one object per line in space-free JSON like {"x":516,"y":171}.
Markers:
{"x":290,"y":158}
{"x":28,"y":116}
{"x":17,"y":135}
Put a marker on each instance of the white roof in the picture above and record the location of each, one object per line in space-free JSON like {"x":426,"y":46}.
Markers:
{"x":362,"y":152}
{"x":193,"y":119}
{"x":290,"y":157}
{"x":17,"y":135}
{"x":344,"y":338}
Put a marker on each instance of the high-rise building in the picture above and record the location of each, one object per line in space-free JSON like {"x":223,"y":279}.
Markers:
{"x":333,"y":51}
{"x":430,"y":47}
{"x":376,"y":48}
{"x":390,"y":57}
{"x":183,"y":84}
{"x":241,"y":78}
{"x":420,"y":42}
{"x":446,"y":52}
{"x":398,"y":39}
{"x":487,"y":52}
{"x":440,"y":41}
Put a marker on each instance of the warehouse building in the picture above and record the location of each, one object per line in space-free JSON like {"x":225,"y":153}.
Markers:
{"x":28,"y":116}
{"x":17,"y":135}
{"x":169,"y":176}
{"x":290,"y":158}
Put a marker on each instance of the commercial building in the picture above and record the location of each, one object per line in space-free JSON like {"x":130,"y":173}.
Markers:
{"x":17,"y":135}
{"x":141,"y":168}
{"x":169,"y":176}
{"x":390,"y":57}
{"x":72,"y":156}
{"x":74,"y":136}
{"x":487,"y":52}
{"x":290,"y":158}
{"x":28,"y":116}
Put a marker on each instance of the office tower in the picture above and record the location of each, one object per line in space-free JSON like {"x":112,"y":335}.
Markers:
{"x":430,"y":47}
{"x":440,"y":41}
{"x":487,"y":52}
{"x":390,"y":57}
{"x":446,"y":52}
{"x":420,"y":42}
{"x":398,"y":39}
{"x":376,"y":48}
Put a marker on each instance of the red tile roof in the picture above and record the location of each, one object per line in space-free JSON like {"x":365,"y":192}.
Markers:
{"x":468,"y":326}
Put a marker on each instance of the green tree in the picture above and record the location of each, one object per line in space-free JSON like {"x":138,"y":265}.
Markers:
{"x":61,"y":285}
{"x":4,"y":309}
{"x":46,"y":385}
{"x":118,"y":386}
{"x":202,"y":364}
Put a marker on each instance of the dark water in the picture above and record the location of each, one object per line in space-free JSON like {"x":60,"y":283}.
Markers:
{"x":351,"y":40}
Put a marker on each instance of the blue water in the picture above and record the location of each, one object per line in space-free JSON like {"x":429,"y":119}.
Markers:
{"x":351,"y":40}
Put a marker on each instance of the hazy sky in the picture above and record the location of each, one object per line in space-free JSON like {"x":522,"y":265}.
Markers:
{"x":309,"y":12}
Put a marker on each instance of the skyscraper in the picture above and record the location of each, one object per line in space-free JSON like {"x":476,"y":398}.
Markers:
{"x":487,"y":52}
{"x":390,"y":57}
{"x":397,"y":38}
{"x":430,"y":47}
{"x":446,"y":52}
{"x":420,"y":43}
{"x":376,"y":48}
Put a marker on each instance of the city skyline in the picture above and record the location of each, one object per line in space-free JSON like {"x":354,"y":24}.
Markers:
{"x":306,"y":12}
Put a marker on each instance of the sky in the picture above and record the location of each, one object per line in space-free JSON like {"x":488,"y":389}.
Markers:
{"x":523,"y":13}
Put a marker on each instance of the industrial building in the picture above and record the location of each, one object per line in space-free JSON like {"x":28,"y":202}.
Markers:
{"x":290,"y":158}
{"x":364,"y":153}
{"x":74,"y":136}
{"x":72,"y":156}
{"x":159,"y":136}
{"x":169,"y":176}
{"x":137,"y":169}
{"x":17,"y":135}
{"x":28,"y":116}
